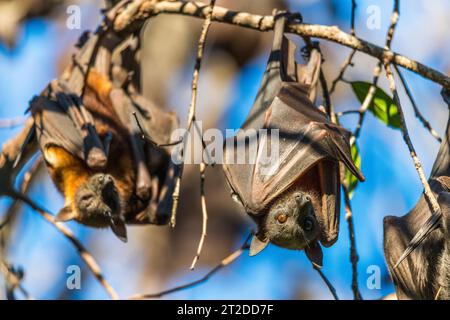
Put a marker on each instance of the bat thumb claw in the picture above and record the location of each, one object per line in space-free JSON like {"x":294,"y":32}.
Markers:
{"x":96,"y":159}
{"x":257,"y":245}
{"x":315,"y":254}
{"x":119,"y":229}
{"x":65,"y":214}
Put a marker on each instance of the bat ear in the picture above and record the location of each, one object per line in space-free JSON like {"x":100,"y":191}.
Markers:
{"x":119,"y":229}
{"x":315,"y":254}
{"x":257,"y":245}
{"x":66,"y":214}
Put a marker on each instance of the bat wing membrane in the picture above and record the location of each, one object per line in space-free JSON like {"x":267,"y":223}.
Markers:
{"x":54,"y":127}
{"x":305,"y":136}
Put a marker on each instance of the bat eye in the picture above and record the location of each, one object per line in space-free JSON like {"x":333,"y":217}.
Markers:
{"x":308,"y":224}
{"x":86,"y":197}
{"x":281,"y":218}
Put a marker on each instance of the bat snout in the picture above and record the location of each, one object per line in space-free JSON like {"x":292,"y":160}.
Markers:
{"x":104,"y":195}
{"x":105,"y":179}
{"x":302,"y":200}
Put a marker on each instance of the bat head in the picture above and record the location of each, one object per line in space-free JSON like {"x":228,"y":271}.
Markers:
{"x":290,"y":223}
{"x":97,"y":204}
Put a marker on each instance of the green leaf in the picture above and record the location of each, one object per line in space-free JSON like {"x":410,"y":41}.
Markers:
{"x":382,"y":106}
{"x":350,"y":180}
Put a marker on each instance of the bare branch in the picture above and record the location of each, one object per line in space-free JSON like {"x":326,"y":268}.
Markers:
{"x":13,"y":279}
{"x":193,"y":104}
{"x":429,"y":196}
{"x":327,"y":282}
{"x":349,"y":217}
{"x":84,"y":254}
{"x":204,"y":215}
{"x":417,"y":163}
{"x":366,"y":103}
{"x":13,"y":122}
{"x":137,"y":12}
{"x":27,"y":178}
{"x":417,"y":112}
{"x":348,"y":62}
{"x":354,"y":258}
{"x":346,"y":112}
{"x":377,"y":72}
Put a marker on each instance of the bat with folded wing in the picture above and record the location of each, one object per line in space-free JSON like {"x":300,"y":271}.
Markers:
{"x":417,"y":245}
{"x":293,"y":193}
{"x":90,"y":124}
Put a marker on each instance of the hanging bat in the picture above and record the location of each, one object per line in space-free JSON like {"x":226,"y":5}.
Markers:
{"x":94,"y":151}
{"x":295,"y":200}
{"x":425,"y":272}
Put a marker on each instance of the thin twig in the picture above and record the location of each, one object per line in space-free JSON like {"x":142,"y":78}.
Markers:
{"x":145,"y":136}
{"x":366,"y":103}
{"x":204,"y":215}
{"x":429,"y":196}
{"x":27,"y":178}
{"x":348,"y":62}
{"x":83,"y":253}
{"x":417,"y":163}
{"x":354,"y":258}
{"x":349,"y":217}
{"x":225,"y":262}
{"x":13,"y":122}
{"x":14,"y":281}
{"x":417,"y":112}
{"x":135,"y":15}
{"x":377,"y":71}
{"x":327,"y":282}
{"x":193,"y":103}
{"x":351,"y":231}
{"x":362,"y":111}
{"x":346,"y":112}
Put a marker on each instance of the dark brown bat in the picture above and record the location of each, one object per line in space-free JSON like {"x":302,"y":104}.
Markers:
{"x":424,"y":272}
{"x":93,"y":146}
{"x":295,"y":200}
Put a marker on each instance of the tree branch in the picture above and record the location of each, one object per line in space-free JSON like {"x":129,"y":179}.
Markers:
{"x":135,"y":14}
{"x":84,"y":254}
{"x":417,"y":112}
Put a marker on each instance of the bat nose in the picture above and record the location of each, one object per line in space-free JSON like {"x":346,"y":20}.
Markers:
{"x":107,"y":178}
{"x":302,"y":200}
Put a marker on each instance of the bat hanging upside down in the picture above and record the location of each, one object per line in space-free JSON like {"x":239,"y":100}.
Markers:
{"x":294,"y":199}
{"x":96,"y":156}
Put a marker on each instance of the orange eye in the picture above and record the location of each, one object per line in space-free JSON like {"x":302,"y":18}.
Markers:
{"x":281,"y":218}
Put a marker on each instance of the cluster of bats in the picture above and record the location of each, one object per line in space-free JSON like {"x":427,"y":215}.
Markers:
{"x":107,"y":149}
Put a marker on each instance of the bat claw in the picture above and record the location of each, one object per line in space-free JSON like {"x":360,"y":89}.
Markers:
{"x":96,"y":159}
